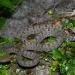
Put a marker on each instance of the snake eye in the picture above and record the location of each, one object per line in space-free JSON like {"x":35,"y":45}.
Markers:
{"x":48,"y":40}
{"x":31,"y":37}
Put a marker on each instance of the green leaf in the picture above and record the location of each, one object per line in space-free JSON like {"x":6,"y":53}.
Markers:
{"x":7,"y":7}
{"x":50,"y":12}
{"x":72,"y":44}
{"x":6,"y":3}
{"x":72,"y":21}
{"x":16,"y":2}
{"x":68,"y":23}
{"x":56,"y":54}
{"x":5,"y":70}
{"x":71,"y":73}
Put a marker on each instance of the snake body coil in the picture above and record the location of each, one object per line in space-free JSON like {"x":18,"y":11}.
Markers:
{"x":20,"y":25}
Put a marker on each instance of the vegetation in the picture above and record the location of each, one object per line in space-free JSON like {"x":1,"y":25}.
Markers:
{"x":7,"y":7}
{"x":4,"y":70}
{"x":48,"y":40}
{"x":63,"y":58}
{"x":6,"y":41}
{"x":68,"y":24}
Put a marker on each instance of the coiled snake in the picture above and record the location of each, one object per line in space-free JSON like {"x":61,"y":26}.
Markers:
{"x":28,"y":22}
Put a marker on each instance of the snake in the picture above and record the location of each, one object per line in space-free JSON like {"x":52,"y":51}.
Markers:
{"x":28,"y":24}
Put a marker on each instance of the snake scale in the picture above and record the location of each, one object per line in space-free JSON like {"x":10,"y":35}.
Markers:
{"x":28,"y":20}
